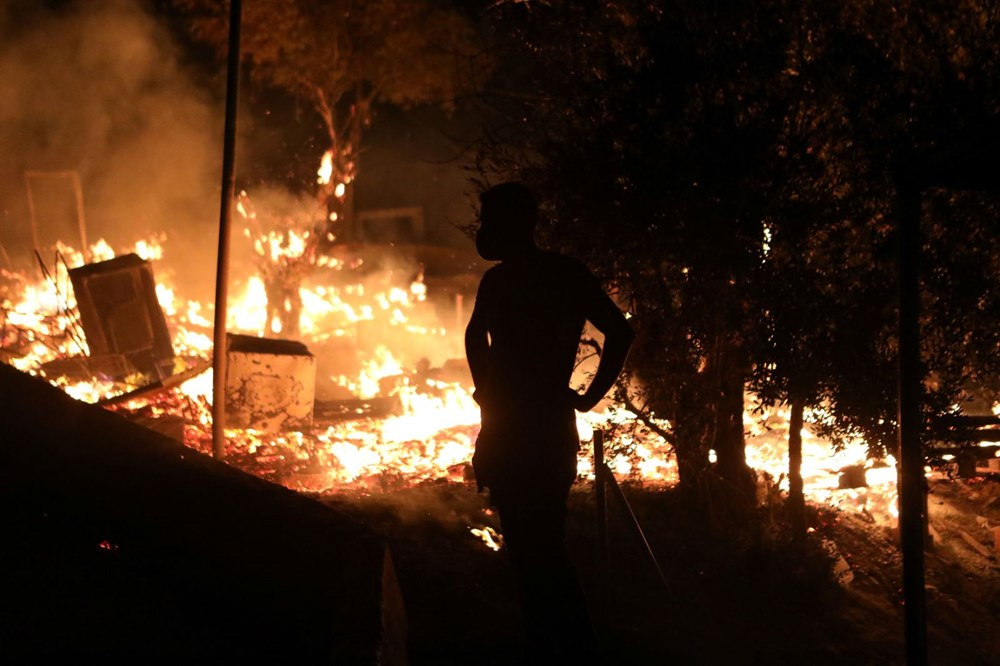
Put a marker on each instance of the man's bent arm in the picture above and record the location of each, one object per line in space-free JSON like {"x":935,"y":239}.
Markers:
{"x":477,"y":346}
{"x":618,"y":336}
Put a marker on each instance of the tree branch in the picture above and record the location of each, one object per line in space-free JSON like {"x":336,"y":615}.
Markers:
{"x":667,"y":436}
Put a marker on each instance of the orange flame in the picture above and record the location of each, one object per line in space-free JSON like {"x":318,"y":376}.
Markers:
{"x":432,"y":433}
{"x":325,"y":172}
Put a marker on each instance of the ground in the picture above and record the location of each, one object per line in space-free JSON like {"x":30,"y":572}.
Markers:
{"x":741,"y":596}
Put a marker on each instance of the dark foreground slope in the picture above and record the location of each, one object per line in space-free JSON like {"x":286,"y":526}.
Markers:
{"x":740,"y":594}
{"x":120,"y":545}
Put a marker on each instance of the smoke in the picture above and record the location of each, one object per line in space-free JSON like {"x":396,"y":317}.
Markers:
{"x":99,"y":88}
{"x":447,"y":506}
{"x":103,"y":89}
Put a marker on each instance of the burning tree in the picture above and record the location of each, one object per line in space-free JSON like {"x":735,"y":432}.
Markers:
{"x":285,"y":257}
{"x":345,"y":58}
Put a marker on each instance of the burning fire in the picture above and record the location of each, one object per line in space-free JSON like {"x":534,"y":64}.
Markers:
{"x":325,"y":172}
{"x":489,"y":536}
{"x":430,"y":429}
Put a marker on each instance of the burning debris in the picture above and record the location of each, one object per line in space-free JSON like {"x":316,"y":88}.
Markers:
{"x":373,"y":401}
{"x":491,"y":538}
{"x":120,"y":314}
{"x":270,"y":384}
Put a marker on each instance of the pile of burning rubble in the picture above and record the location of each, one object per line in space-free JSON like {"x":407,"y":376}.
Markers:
{"x":110,"y":328}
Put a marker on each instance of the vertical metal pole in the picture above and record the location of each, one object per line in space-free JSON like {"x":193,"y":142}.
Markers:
{"x":616,"y":490}
{"x":600,"y":496}
{"x":81,"y":219}
{"x":225,"y":213}
{"x":912,"y":488}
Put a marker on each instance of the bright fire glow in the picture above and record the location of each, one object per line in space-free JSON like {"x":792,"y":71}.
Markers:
{"x":490,"y":537}
{"x":428,"y":429}
{"x":325,"y":172}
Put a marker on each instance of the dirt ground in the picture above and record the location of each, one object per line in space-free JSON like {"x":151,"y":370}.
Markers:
{"x":747,"y":595}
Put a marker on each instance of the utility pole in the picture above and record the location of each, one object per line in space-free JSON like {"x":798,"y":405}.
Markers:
{"x":912,"y":484}
{"x":225,"y":215}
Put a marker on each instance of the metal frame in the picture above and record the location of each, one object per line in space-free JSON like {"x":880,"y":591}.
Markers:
{"x":604,"y":478}
{"x":415,"y":215}
{"x":81,"y":220}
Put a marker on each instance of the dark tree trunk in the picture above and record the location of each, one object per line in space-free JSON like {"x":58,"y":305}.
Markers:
{"x":692,"y":453}
{"x":796,"y":498}
{"x":730,"y":445}
{"x":680,"y":398}
{"x":706,"y":412}
{"x":729,"y":442}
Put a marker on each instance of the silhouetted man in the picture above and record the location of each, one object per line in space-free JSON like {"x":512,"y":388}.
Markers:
{"x":521,"y":344}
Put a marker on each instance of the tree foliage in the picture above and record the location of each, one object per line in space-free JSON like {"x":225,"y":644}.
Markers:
{"x":728,"y":169}
{"x":345,"y":57}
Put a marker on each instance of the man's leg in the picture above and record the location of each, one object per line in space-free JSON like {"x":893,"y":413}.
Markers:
{"x":534,"y":529}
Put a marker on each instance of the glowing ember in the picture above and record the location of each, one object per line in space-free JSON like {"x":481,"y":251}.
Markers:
{"x":490,"y":537}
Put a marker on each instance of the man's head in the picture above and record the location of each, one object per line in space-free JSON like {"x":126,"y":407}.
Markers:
{"x":507,"y":215}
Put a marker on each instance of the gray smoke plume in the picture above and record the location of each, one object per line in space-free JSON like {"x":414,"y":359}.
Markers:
{"x":98,"y":88}
{"x":101,"y":88}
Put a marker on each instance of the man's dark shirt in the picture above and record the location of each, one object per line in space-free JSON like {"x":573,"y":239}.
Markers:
{"x":534,"y":308}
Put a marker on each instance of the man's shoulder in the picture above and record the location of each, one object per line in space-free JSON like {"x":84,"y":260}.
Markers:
{"x":564,"y":262}
{"x":571,"y":270}
{"x":547,"y":267}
